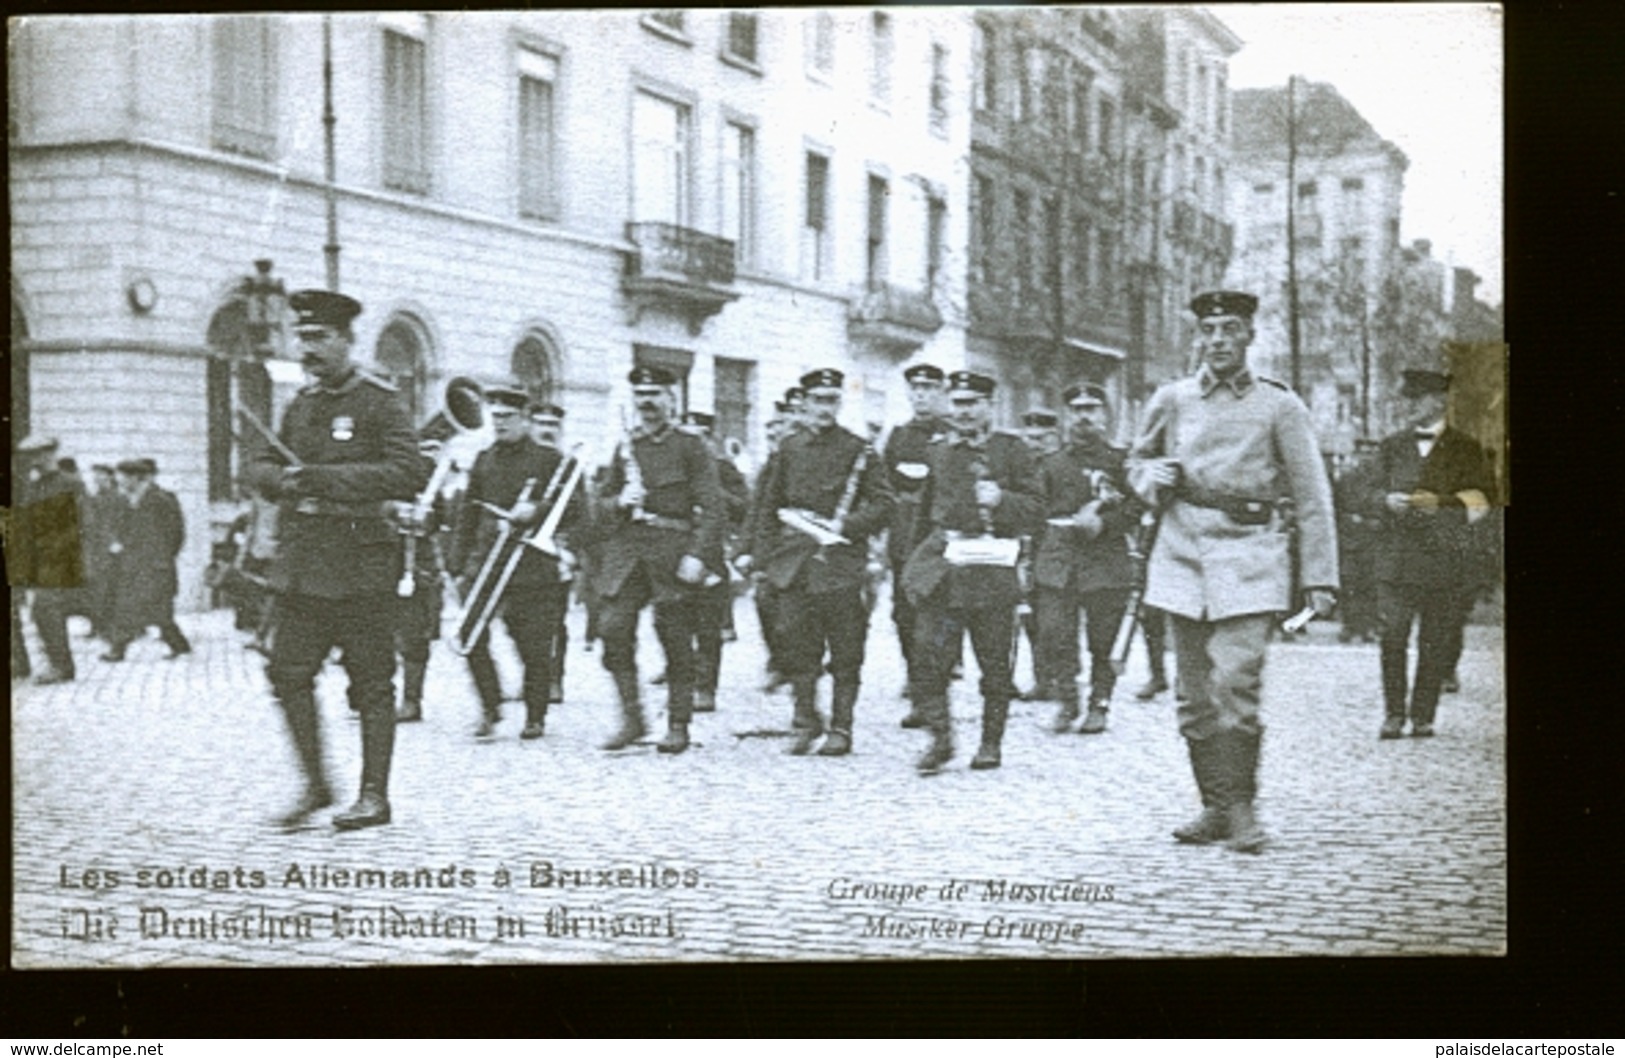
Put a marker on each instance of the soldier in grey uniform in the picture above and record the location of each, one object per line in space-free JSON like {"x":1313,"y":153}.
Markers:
{"x":1215,"y":453}
{"x":904,"y":453}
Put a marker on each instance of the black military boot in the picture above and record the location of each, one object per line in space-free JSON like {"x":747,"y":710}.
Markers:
{"x":300,"y":712}
{"x":632,"y":725}
{"x":679,"y":710}
{"x":1069,"y":710}
{"x":808,"y":724}
{"x":994,"y":714}
{"x":916,"y":718}
{"x":839,"y":742}
{"x":412,"y":673}
{"x":1094,"y":722}
{"x":941,"y":750}
{"x":371,"y":809}
{"x":1214,"y":822}
{"x":1245,"y":833}
{"x":535,"y":720}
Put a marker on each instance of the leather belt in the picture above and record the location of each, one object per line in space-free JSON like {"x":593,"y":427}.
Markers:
{"x":336,"y":508}
{"x":1243,"y":510}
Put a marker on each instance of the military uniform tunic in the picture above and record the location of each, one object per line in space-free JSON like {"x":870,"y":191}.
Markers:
{"x":1075,"y":570}
{"x":1221,"y":564}
{"x":821,"y":600}
{"x":905,"y":459}
{"x":981,"y":600}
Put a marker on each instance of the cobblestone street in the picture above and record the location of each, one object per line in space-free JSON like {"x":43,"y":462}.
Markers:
{"x":142,"y":794}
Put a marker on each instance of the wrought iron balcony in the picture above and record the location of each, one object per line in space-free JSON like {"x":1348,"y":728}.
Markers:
{"x":893,"y":318}
{"x":678,"y":269}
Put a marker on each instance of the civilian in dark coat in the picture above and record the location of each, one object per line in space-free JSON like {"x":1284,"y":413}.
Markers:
{"x":45,"y":550}
{"x":1429,"y":485}
{"x":145,"y":539}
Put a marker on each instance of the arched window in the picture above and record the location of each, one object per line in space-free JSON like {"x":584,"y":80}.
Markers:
{"x":235,"y":376}
{"x":402,"y":356}
{"x":533,"y":360}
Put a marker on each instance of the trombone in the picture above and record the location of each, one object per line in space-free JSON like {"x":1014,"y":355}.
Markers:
{"x":463,"y":408}
{"x":485,"y":595}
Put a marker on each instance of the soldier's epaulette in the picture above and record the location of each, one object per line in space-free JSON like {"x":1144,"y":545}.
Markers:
{"x":1277,"y":383}
{"x":377,"y":380}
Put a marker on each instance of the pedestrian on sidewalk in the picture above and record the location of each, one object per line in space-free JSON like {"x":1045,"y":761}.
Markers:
{"x":1428,"y":487}
{"x":145,"y":540}
{"x":1216,"y":452}
{"x":346,"y":448}
{"x":45,"y":551}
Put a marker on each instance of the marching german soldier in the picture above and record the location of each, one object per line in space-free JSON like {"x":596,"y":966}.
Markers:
{"x":1083,"y":561}
{"x":417,"y":613}
{"x":786,"y":421}
{"x":1428,"y":486}
{"x":547,"y":430}
{"x":1215,"y":453}
{"x":906,"y":464}
{"x":1041,"y":429}
{"x":661,"y":512}
{"x":825,"y":495}
{"x":346,"y":448}
{"x":715,"y":603}
{"x":982,"y":494}
{"x":511,"y":487}
{"x":45,"y":551}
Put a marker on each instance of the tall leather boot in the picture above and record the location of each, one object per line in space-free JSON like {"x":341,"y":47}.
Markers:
{"x":941,"y":750}
{"x":1245,"y":833}
{"x":1069,"y":709}
{"x":303,"y":730}
{"x":1214,"y":822}
{"x":1094,"y":722}
{"x":489,"y":688}
{"x":679,"y":710}
{"x":808,"y":724}
{"x":371,"y":809}
{"x":839,"y":742}
{"x":994,"y":713}
{"x":632,"y":725}
{"x":412,"y":673}
{"x":535,"y":719}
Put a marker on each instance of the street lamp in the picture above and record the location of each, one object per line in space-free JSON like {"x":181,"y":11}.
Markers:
{"x":265,"y":301}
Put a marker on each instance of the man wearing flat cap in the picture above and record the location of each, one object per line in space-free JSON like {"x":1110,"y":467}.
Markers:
{"x":1427,"y":487}
{"x":346,"y":449}
{"x":45,"y":550}
{"x":981,"y":495}
{"x":145,"y":538}
{"x":660,"y":513}
{"x":825,"y":496}
{"x":904,"y":455}
{"x":1217,"y":453}
{"x":523,"y":481}
{"x":1083,"y":560}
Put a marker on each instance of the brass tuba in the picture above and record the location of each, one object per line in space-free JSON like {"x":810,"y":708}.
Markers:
{"x":462,"y":412}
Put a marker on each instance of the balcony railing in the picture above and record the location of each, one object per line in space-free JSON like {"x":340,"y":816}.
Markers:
{"x":892,"y":317}
{"x":666,"y":251}
{"x":678,"y":269}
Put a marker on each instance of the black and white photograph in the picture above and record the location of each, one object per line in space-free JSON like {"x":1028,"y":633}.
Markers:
{"x":762,"y":485}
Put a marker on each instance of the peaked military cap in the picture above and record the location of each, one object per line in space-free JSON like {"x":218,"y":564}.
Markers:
{"x":140,"y":468}
{"x":546,"y":410}
{"x":651,"y":375}
{"x":702,"y":419}
{"x":323,"y":308}
{"x":822,"y":378}
{"x":1040,"y":419}
{"x":924,"y":373}
{"x":1415,"y":382}
{"x":94,"y":467}
{"x":974,"y":381}
{"x":1224,"y":303}
{"x":36,"y":442}
{"x":507,"y":396}
{"x":795,"y":395}
{"x":1085,"y":393}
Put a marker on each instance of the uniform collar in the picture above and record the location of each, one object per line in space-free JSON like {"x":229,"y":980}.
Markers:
{"x":644,"y":434}
{"x":962,"y":440}
{"x":1240,"y":383}
{"x":346,"y":382}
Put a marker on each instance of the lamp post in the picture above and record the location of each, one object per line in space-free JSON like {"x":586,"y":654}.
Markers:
{"x":265,"y":302}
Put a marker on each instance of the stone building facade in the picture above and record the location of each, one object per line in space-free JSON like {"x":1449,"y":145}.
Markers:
{"x":737,"y":195}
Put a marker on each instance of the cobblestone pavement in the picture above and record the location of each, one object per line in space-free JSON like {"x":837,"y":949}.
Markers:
{"x":142,"y":793}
